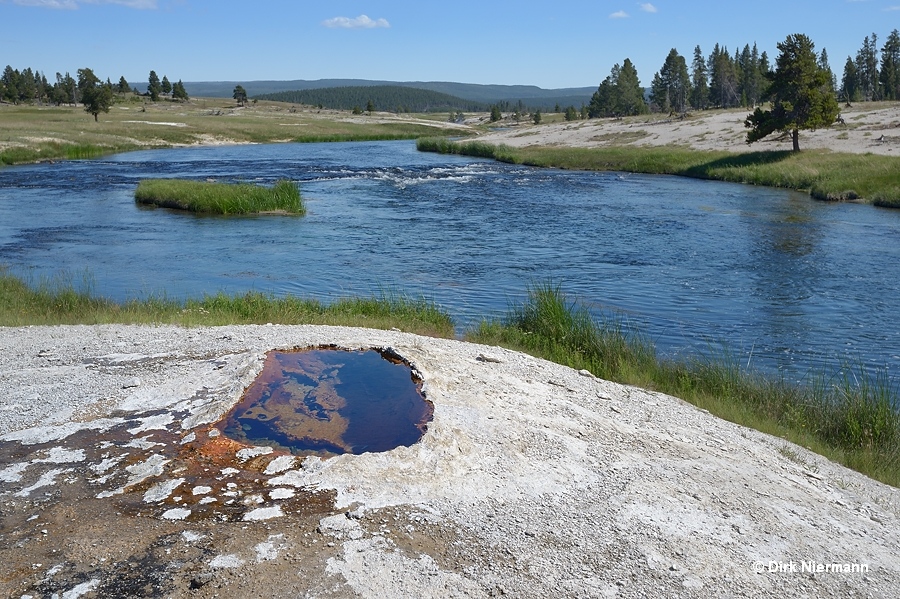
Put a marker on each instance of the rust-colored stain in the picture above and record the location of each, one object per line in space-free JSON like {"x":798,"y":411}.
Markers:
{"x":326,"y":401}
{"x":317,"y":402}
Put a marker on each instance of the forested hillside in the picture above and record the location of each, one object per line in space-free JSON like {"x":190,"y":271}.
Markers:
{"x":392,"y":98}
{"x":530,"y":95}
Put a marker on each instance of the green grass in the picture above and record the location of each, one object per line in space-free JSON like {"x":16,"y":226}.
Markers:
{"x":43,"y":133}
{"x":825,"y":175}
{"x":220,"y":198}
{"x":63,"y":301}
{"x":50,"y":151}
{"x":847,"y":416}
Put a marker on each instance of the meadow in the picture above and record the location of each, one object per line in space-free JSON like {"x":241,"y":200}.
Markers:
{"x":42,"y":133}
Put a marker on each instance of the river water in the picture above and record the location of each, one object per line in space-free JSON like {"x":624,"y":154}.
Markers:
{"x":782,"y":281}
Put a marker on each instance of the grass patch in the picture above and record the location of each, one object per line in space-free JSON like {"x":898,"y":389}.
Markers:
{"x":63,"y":301}
{"x":205,"y":197}
{"x":50,"y":151}
{"x":849,"y":417}
{"x":825,"y":175}
{"x":622,"y":137}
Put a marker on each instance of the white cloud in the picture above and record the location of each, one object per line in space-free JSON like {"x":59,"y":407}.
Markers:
{"x":360,"y":22}
{"x":74,"y":4}
{"x":59,"y":4}
{"x":619,"y":14}
{"x":647,"y":7}
{"x":891,"y":8}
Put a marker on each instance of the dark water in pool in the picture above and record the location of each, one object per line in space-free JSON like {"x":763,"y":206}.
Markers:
{"x":783,"y":281}
{"x":328,"y":402}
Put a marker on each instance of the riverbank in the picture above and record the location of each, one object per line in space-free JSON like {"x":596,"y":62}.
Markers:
{"x":846,"y":416}
{"x":858,"y":160}
{"x":43,"y":133}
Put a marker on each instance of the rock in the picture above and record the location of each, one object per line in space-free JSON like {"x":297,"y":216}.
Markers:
{"x":486,"y":358}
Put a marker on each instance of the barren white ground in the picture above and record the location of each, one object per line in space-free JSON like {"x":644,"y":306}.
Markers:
{"x":544,"y":482}
{"x":867,"y":127}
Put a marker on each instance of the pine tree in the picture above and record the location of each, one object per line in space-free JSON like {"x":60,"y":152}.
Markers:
{"x":240,"y":94}
{"x":26,"y":86}
{"x":123,"y":87}
{"x":154,"y":86}
{"x":631,"y":94}
{"x":723,"y":86}
{"x":823,"y":64}
{"x":699,"y":83}
{"x":96,"y":96}
{"x":166,"y":86}
{"x":10,"y":85}
{"x":671,"y":85}
{"x":867,"y":68}
{"x":179,"y":93}
{"x":850,"y":82}
{"x":800,"y":92}
{"x":890,"y":67}
{"x":604,"y":101}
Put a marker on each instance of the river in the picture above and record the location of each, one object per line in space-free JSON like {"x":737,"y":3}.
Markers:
{"x":784,"y":282}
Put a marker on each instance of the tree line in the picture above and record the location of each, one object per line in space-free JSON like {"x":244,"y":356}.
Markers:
{"x":32,"y":87}
{"x":741,"y":79}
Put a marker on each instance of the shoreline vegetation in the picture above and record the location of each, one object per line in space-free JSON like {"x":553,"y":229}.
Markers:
{"x":208,"y":197}
{"x":847,"y":416}
{"x":824,"y":175}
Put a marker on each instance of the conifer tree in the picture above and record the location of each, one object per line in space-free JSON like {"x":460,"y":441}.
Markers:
{"x":240,"y":94}
{"x":154,"y":86}
{"x":850,"y":82}
{"x":96,"y":96}
{"x":699,"y":83}
{"x":867,"y":69}
{"x":178,"y":92}
{"x":800,"y":92}
{"x":671,"y":85}
{"x":889,"y":76}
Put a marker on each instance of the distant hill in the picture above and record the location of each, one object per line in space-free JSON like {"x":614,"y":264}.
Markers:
{"x":530,"y":95}
{"x":393,"y":98}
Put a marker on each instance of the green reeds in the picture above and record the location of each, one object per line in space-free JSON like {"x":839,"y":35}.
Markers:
{"x":220,"y":198}
{"x":549,"y":326}
{"x":61,"y":301}
{"x":851,"y":417}
{"x":51,"y":151}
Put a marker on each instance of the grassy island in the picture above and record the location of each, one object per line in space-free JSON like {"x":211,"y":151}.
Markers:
{"x":206,"y":197}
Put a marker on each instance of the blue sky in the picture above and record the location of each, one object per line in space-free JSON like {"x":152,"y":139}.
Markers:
{"x":570,"y":44}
